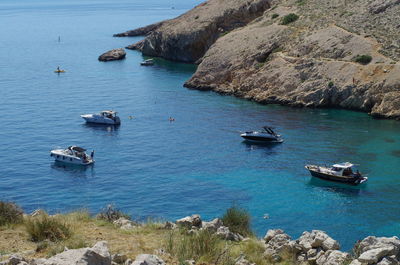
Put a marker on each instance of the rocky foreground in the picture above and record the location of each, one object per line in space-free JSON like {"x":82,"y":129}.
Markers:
{"x":314,"y":247}
{"x":247,"y":49}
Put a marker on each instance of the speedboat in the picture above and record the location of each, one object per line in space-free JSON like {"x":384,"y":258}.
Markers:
{"x":147,"y":62}
{"x":104,"y":117}
{"x":343,"y":172}
{"x":265,"y":136}
{"x":73,"y":155}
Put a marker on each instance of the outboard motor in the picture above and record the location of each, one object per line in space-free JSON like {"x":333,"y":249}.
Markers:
{"x":92,"y":154}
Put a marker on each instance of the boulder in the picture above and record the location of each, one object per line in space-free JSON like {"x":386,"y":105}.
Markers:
{"x":332,"y":257}
{"x":226,"y":234}
{"x":389,"y":261}
{"x":97,"y":255}
{"x":125,"y":224}
{"x":119,"y":258}
{"x":112,"y":55}
{"x":190,"y":221}
{"x":147,"y":259}
{"x":170,"y":225}
{"x":212,"y":226}
{"x":316,"y":239}
{"x":271,"y":233}
{"x":15,"y":260}
{"x":372,"y":250}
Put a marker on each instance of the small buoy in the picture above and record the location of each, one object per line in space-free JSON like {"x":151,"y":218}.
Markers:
{"x":266,"y":216}
{"x":171,"y":119}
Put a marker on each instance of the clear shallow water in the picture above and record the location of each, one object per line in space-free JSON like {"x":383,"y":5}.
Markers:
{"x":197,"y":164}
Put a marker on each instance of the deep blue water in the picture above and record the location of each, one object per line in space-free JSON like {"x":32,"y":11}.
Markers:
{"x":152,"y":167}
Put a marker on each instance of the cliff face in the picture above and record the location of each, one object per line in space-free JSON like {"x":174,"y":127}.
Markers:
{"x":309,"y":62}
{"x":188,"y":37}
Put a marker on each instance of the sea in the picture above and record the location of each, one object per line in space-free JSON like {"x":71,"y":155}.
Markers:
{"x":150,"y":167}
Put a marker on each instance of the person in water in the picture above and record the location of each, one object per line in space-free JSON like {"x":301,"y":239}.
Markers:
{"x":58,"y":69}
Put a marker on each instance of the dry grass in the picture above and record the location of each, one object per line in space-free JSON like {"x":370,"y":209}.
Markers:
{"x":148,"y":238}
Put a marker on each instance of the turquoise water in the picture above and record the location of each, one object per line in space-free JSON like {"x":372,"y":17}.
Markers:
{"x":152,"y":167}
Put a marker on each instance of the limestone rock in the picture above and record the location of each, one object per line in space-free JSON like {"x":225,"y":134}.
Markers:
{"x":188,"y":37}
{"x":333,"y":257}
{"x":125,"y":224}
{"x":147,"y":259}
{"x":373,"y":250}
{"x":226,"y":234}
{"x":213,"y":225}
{"x":97,"y":255}
{"x":139,"y":31}
{"x":112,"y":55}
{"x":271,"y":233}
{"x":170,"y":225}
{"x":190,"y":221}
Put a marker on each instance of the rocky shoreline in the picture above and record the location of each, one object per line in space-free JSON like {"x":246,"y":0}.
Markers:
{"x":246,"y":49}
{"x":315,"y":247}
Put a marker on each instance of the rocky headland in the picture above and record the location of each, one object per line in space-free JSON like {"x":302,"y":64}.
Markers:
{"x":310,"y":53}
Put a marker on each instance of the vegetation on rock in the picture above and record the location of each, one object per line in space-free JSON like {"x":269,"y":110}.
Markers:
{"x":10,"y":213}
{"x":47,"y":228}
{"x":289,"y":19}
{"x":238,"y":220}
{"x":363,"y":59}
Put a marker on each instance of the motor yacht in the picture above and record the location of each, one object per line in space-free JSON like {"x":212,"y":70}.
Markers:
{"x":343,"y":172}
{"x":267,"y":135}
{"x":73,"y":155}
{"x":104,"y":117}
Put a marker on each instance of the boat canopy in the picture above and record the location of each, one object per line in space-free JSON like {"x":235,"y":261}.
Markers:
{"x":77,"y":148}
{"x":343,"y":165}
{"x":109,"y":112}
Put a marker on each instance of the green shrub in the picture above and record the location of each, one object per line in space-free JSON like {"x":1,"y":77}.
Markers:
{"x":111,"y":213}
{"x":201,"y":246}
{"x":289,"y":19}
{"x":47,"y":228}
{"x":330,"y":84}
{"x":238,"y":220}
{"x":301,"y":2}
{"x":10,"y":213}
{"x":363,"y":59}
{"x":274,"y":16}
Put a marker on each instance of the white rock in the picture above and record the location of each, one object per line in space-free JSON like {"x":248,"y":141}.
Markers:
{"x":374,"y":255}
{"x":212,"y":226}
{"x":147,"y":259}
{"x":271,"y":233}
{"x":189,"y":221}
{"x":333,"y":257}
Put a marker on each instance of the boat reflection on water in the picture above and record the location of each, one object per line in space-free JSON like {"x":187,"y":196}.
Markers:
{"x":102,"y":127}
{"x":261,"y":146}
{"x":336,"y":187}
{"x":74,"y":170}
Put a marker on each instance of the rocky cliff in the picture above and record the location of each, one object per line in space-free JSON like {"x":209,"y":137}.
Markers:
{"x":314,"y":53}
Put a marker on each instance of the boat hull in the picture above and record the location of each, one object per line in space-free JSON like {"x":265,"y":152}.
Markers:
{"x":346,"y":180}
{"x":101,"y":120}
{"x":255,"y":139}
{"x":70,"y":159}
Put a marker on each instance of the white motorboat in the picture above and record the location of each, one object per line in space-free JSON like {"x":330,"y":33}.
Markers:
{"x":147,"y":62}
{"x":73,"y":155}
{"x":265,"y":136}
{"x":104,"y":117}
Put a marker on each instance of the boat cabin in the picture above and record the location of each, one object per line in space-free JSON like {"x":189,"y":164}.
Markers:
{"x":344,"y":169}
{"x":109,"y":114}
{"x":269,"y":130}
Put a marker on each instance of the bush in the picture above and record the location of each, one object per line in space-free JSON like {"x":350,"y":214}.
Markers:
{"x":47,"y":228}
{"x":238,"y":220}
{"x":289,"y":19}
{"x":201,"y":246}
{"x":111,"y":213}
{"x":10,"y":213}
{"x":363,"y":59}
{"x":330,"y":84}
{"x":274,"y":16}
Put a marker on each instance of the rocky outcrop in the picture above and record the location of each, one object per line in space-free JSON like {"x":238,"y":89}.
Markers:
{"x":314,"y":247}
{"x":139,"y":31}
{"x":378,"y":250}
{"x":189,"y":36}
{"x":116,"y":54}
{"x":190,"y":221}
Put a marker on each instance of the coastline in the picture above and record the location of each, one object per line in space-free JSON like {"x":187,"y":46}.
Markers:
{"x":118,"y":240}
{"x":305,"y":63}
